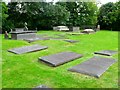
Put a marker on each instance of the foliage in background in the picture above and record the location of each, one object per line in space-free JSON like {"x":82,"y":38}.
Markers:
{"x":81,"y":13}
{"x":39,"y":15}
{"x":109,"y":16}
{"x":6,"y":24}
{"x":43,"y":15}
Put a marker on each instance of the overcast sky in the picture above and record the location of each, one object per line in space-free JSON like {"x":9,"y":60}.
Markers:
{"x":102,"y":1}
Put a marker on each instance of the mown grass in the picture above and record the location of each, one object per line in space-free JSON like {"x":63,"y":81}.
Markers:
{"x":24,"y":71}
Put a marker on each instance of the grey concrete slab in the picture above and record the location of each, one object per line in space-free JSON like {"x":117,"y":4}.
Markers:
{"x":71,"y":41}
{"x":61,"y":35}
{"x":41,"y":86}
{"x":35,"y":39}
{"x":26,"y":49}
{"x":95,"y":66}
{"x":22,"y":32}
{"x":58,"y":38}
{"x":88,"y":31}
{"x":106,"y":52}
{"x":59,"y":58}
{"x":20,"y":35}
{"x":73,"y":33}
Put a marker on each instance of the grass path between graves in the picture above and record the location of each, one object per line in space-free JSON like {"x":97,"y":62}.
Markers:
{"x":24,"y":71}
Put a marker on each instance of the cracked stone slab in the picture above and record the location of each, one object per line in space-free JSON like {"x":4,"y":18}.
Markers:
{"x":106,"y":52}
{"x":26,"y":49}
{"x":95,"y":66}
{"x":60,"y":58}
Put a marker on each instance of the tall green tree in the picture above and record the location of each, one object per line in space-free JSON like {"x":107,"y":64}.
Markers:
{"x":104,"y":17}
{"x":81,"y":13}
{"x":109,"y":16}
{"x":87,"y":13}
{"x":6,"y":24}
{"x":41,"y":15}
{"x":116,"y":17}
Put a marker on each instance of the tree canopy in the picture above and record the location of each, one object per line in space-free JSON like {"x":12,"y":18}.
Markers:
{"x":44,"y":15}
{"x":109,"y":16}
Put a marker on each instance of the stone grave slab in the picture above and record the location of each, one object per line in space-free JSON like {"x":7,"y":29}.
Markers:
{"x":106,"y":52}
{"x":41,"y":35}
{"x":88,"y":31}
{"x":58,"y":38}
{"x":41,"y":86}
{"x":26,"y":49}
{"x":21,"y":35}
{"x":74,"y":33}
{"x":61,"y":35}
{"x":71,"y":41}
{"x":35,"y":39}
{"x":95,"y":66}
{"x":59,"y":58}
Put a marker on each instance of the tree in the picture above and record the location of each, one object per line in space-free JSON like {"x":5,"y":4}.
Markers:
{"x":116,"y":16}
{"x":104,"y":15}
{"x":41,"y":15}
{"x":6,"y":24}
{"x":81,"y":13}
{"x":88,"y":13}
{"x":109,"y":16}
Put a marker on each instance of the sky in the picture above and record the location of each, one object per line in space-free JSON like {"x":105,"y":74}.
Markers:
{"x":101,"y":1}
{"x":106,"y":1}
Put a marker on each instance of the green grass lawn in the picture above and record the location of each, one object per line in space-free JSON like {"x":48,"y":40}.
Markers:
{"x":24,"y":71}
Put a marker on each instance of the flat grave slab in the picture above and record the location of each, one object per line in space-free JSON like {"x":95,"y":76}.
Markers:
{"x":35,"y":39}
{"x":88,"y":31}
{"x":106,"y":52}
{"x":95,"y":66}
{"x":58,"y":38}
{"x":73,"y":33}
{"x":61,"y":35}
{"x":26,"y":49}
{"x":71,"y":41}
{"x":41,"y":86}
{"x":59,"y":58}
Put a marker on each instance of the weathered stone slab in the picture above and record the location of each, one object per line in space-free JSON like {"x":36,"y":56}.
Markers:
{"x":88,"y":31}
{"x":26,"y":49}
{"x":74,"y":29}
{"x":61,"y":28}
{"x":41,"y":86}
{"x":58,"y":38}
{"x":61,"y":35}
{"x":74,"y":33}
{"x":22,"y":32}
{"x":71,"y":41}
{"x":20,"y":35}
{"x":95,"y":66}
{"x":59,"y":58}
{"x":106,"y":52}
{"x":35,"y":39}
